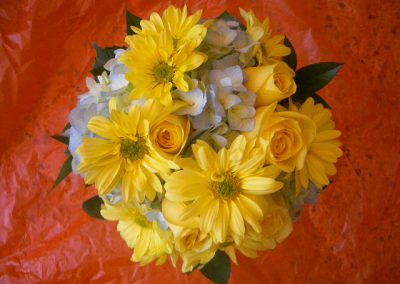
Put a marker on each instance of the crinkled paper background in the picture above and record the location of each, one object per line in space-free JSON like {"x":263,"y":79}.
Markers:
{"x":351,"y":236}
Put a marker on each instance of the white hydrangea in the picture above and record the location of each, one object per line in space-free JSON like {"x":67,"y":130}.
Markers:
{"x":95,"y":102}
{"x":212,"y":114}
{"x":236,"y":100}
{"x":196,"y":99}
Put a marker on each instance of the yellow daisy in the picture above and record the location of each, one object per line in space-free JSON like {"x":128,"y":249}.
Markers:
{"x":182,"y":28}
{"x":149,"y":241}
{"x":122,"y":153}
{"x":155,"y":66}
{"x":271,"y":47}
{"x":222,"y":188}
{"x":324,"y":150}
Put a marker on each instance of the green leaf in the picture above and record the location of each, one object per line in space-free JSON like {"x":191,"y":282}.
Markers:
{"x":66,"y":169}
{"x":218,"y":269}
{"x":60,"y":138}
{"x":131,"y":20}
{"x":103,"y":54}
{"x":97,"y":71}
{"x":291,"y":59}
{"x":92,"y":207}
{"x":228,"y":17}
{"x":314,"y":77}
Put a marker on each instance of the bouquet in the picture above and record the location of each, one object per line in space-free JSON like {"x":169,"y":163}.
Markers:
{"x":201,"y":138}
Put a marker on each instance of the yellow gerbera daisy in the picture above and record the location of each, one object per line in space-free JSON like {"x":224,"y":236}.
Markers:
{"x":182,"y":28}
{"x":122,"y":154}
{"x":270,"y":48}
{"x":155,"y":66}
{"x":221,"y":188}
{"x":149,"y":241}
{"x":324,"y":150}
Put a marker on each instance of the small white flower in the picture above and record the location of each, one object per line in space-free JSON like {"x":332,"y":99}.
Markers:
{"x":243,"y":43}
{"x":195,"y":98}
{"x":220,"y":34}
{"x":241,"y":117}
{"x":154,"y":215}
{"x":230,"y":79}
{"x":227,"y":61}
{"x":80,"y":116}
{"x":115,"y":196}
{"x":117,"y":71}
{"x":212,"y":114}
{"x":219,"y":136}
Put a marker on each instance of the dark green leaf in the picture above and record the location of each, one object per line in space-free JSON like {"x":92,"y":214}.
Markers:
{"x":291,"y":59}
{"x":131,"y":20}
{"x":92,"y":207}
{"x":60,"y":138}
{"x":228,"y":17}
{"x":314,"y":77}
{"x":101,"y":58}
{"x":66,"y":169}
{"x":97,"y":71}
{"x":218,"y":269}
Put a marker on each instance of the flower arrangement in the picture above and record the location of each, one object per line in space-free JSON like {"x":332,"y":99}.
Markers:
{"x":201,"y":138}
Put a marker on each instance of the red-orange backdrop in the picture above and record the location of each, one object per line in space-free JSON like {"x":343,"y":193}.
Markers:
{"x":351,"y":236}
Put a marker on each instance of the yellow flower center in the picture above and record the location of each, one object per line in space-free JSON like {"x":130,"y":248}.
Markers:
{"x":141,"y":221}
{"x":133,"y":150}
{"x":189,"y":240}
{"x":164,"y":73}
{"x":228,"y":188}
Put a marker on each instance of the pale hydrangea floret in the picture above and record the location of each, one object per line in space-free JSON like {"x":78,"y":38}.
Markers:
{"x":196,"y":99}
{"x":117,"y":71}
{"x":95,"y":102}
{"x":241,"y":117}
{"x":155,"y":215}
{"x":236,"y":100}
{"x":219,"y":38}
{"x":228,"y":80}
{"x":226,"y":61}
{"x":212,"y":114}
{"x":226,"y":38}
{"x":243,"y":43}
{"x":219,"y":136}
{"x":114,"y":196}
{"x":220,"y":34}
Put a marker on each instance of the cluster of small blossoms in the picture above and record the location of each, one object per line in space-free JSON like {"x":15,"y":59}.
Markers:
{"x":187,"y":141}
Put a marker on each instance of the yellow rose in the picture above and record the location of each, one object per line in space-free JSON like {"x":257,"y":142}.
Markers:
{"x":169,"y":136}
{"x":271,"y":83}
{"x":194,"y":247}
{"x":276,"y":227}
{"x":277,"y":224}
{"x":288,"y":135}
